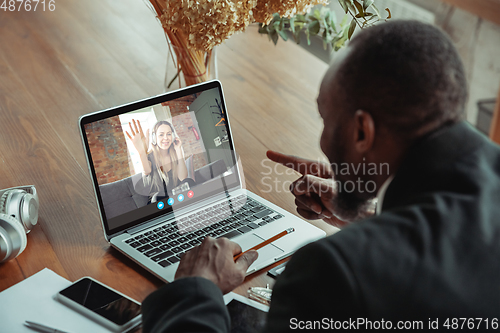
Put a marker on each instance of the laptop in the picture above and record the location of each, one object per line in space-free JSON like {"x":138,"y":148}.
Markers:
{"x":166,"y":175}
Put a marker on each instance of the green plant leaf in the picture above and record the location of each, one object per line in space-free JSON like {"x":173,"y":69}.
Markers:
{"x":296,"y":36}
{"x":344,"y":21}
{"x":344,"y":5}
{"x":292,"y":25}
{"x":352,"y":27}
{"x":313,"y":27}
{"x":283,"y":34}
{"x":282,"y":23}
{"x":359,"y":7}
{"x":327,"y":35}
{"x":311,"y":19}
{"x":326,"y":13}
{"x":307,"y":35}
{"x":317,"y":14}
{"x":339,"y":42}
{"x":299,"y":26}
{"x":373,"y":17}
{"x":326,"y":38}
{"x":274,"y":37}
{"x":364,"y":15}
{"x":376,"y":10}
{"x":300,"y":18}
{"x":389,"y":11}
{"x":350,"y":5}
{"x":333,"y":21}
{"x":276,"y":26}
{"x":367,"y":3}
{"x":323,"y":23}
{"x":330,"y":19}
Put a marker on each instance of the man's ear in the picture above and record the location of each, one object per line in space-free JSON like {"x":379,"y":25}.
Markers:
{"x":364,"y":131}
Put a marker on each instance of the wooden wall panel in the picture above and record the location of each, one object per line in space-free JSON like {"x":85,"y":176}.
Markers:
{"x":487,"y":9}
{"x":495,"y":124}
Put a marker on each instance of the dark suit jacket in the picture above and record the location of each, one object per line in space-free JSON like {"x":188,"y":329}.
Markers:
{"x":433,"y":253}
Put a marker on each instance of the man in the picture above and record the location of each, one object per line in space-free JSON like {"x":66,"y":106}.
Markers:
{"x":431,"y":254}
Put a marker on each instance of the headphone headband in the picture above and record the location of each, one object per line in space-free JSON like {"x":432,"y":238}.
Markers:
{"x":28,"y":188}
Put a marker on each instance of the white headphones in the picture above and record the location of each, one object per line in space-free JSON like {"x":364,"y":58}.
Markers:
{"x":18,"y":215}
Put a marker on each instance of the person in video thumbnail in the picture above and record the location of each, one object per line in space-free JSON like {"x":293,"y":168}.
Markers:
{"x":164,"y":166}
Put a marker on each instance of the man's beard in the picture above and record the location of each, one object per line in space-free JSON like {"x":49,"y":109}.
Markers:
{"x":351,"y":205}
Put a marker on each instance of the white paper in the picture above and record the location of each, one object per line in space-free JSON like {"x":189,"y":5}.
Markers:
{"x":33,"y":300}
{"x":230,"y":296}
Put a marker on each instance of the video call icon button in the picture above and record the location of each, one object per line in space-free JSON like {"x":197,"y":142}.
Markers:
{"x":160,"y":205}
{"x":190,"y":194}
{"x":180,"y":197}
{"x":170,"y":201}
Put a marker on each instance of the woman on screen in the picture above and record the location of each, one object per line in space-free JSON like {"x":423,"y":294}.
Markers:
{"x":164,"y":166}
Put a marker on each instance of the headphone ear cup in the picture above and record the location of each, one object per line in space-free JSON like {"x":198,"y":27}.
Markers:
{"x":29,"y":211}
{"x":13,"y":239}
{"x":21,"y":206}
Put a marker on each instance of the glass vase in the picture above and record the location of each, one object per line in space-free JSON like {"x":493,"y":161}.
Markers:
{"x":186,"y":67}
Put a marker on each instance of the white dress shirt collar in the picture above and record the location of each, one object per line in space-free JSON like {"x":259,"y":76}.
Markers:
{"x":381,"y":194}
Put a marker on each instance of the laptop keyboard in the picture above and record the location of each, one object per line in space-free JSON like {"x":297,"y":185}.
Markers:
{"x":167,"y":244}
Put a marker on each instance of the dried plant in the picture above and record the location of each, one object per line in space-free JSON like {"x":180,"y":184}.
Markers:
{"x":265,"y":10}
{"x":195,"y":27}
{"x":208,"y":23}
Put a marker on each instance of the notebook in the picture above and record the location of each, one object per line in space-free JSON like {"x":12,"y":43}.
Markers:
{"x":166,"y":175}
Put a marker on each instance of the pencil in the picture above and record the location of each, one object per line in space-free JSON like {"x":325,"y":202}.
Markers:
{"x":264,"y":243}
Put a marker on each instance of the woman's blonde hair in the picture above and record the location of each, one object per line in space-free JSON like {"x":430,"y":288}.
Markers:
{"x":156,"y":154}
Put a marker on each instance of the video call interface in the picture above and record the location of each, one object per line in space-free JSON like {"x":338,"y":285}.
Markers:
{"x":153,"y":160}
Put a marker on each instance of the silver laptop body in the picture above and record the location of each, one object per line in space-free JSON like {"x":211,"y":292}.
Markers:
{"x":155,"y":227}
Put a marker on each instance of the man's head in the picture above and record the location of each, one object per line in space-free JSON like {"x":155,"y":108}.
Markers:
{"x":394,"y":83}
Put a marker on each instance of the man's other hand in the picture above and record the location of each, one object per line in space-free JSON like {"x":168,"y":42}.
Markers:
{"x":316,"y":191}
{"x":302,"y":165}
{"x":213,"y":260}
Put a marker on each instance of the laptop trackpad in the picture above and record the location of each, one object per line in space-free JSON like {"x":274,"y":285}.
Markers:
{"x":265,"y":254}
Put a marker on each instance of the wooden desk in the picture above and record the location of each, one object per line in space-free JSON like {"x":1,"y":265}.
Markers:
{"x":91,"y":55}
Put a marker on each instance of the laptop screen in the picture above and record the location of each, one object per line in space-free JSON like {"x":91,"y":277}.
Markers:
{"x":157,"y":155}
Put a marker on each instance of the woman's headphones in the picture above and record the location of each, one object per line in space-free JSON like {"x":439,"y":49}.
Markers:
{"x":18,"y":215}
{"x":153,"y":136}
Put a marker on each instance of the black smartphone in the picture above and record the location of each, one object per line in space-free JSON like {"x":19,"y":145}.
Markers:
{"x":102,"y":304}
